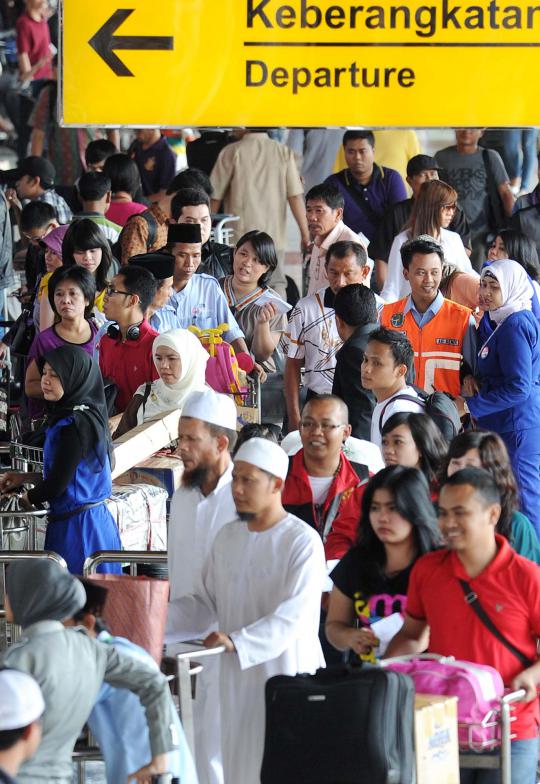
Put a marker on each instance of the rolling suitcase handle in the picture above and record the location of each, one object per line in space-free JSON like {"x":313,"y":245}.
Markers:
{"x":184,"y":672}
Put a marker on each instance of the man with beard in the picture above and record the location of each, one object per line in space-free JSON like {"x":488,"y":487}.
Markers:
{"x":262,"y":582}
{"x":204,"y":503}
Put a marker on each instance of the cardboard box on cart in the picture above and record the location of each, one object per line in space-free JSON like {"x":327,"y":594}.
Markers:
{"x":436,"y":739}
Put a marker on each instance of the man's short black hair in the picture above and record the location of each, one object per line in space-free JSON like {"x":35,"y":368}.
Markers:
{"x":344,"y":248}
{"x":327,"y":193}
{"x":329,"y":397}
{"x":93,"y":185}
{"x":482,"y":481}
{"x":422,"y":245}
{"x":356,"y":305}
{"x":399,"y":344}
{"x":140,"y":281}
{"x":191,"y":178}
{"x":351,"y":136}
{"x":123,"y":173}
{"x":37,"y":215}
{"x":8,"y":738}
{"x":99,"y":150}
{"x":188,"y":197}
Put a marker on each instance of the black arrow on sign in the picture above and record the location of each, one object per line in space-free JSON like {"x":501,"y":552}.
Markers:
{"x":104,"y":42}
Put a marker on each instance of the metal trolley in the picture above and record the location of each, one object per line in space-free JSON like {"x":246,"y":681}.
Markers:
{"x":10,"y":632}
{"x":248,"y":404}
{"x":493,"y":753}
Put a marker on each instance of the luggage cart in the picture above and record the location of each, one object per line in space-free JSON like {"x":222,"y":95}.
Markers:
{"x":186,"y":672}
{"x":131,"y":557}
{"x":492,"y":754}
{"x":220,"y":232}
{"x":248,"y":404}
{"x":10,"y":632}
{"x":18,"y":529}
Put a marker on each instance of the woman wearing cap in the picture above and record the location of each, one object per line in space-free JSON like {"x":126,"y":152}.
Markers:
{"x":52,"y":245}
{"x":77,"y":466}
{"x":254,"y":261}
{"x":71,"y":293}
{"x":507,"y":400}
{"x":85,"y":245}
{"x":180,"y":360}
{"x":432,"y":213}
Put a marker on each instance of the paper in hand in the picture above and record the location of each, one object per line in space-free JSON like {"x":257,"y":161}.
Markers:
{"x":280,"y":304}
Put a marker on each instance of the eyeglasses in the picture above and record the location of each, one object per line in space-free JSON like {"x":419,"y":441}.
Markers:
{"x":450,"y":207}
{"x":326,"y":427}
{"x":110,"y":291}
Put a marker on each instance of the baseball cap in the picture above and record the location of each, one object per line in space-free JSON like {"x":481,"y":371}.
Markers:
{"x":33,"y":166}
{"x":21,"y":701}
{"x":420,"y":163}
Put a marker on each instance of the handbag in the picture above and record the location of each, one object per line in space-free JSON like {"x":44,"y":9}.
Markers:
{"x":136,"y":608}
{"x":479,"y":690}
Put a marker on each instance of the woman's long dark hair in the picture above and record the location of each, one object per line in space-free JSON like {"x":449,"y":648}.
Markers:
{"x":410,"y":491}
{"x":84,"y":234}
{"x":495,"y":460}
{"x":522,"y":249}
{"x":427,"y":437}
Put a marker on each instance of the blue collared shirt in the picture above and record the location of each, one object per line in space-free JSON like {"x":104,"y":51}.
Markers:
{"x":201,"y":303}
{"x":469,"y":338}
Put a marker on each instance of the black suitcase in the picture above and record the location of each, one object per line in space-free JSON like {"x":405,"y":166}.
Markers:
{"x":343,"y":725}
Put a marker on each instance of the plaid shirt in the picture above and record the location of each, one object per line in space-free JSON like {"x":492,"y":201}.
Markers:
{"x":63,"y":212}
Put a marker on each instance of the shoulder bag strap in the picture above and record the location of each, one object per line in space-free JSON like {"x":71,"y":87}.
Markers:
{"x":410,"y":398}
{"x":474,"y":602}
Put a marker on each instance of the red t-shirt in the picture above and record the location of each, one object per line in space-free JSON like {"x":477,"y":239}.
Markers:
{"x":128,"y":363}
{"x":33,"y":39}
{"x":508,"y":590}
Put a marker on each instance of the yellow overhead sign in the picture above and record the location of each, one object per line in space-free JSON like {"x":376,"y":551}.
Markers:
{"x":300,"y":62}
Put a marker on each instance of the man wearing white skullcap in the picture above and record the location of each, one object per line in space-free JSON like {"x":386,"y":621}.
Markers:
{"x":262,"y":582}
{"x":204,"y":503}
{"x":21,"y":708}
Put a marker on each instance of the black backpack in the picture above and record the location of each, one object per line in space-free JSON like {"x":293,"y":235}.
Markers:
{"x":437,"y":405}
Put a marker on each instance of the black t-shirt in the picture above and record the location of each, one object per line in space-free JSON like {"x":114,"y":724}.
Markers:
{"x":389,"y":595}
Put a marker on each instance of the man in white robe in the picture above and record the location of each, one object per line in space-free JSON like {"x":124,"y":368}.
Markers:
{"x":204,"y":503}
{"x":263,"y":582}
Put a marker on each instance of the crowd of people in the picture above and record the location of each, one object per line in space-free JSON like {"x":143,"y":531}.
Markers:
{"x":397,"y":458}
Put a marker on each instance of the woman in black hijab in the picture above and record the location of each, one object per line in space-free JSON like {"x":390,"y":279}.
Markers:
{"x":77,"y":465}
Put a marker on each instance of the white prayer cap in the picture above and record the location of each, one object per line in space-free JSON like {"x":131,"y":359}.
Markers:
{"x":211,"y":407}
{"x":21,"y":701}
{"x":264,"y":454}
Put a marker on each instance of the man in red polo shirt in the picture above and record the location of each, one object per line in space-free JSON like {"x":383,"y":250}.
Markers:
{"x":125,"y":351}
{"x":508,"y":589}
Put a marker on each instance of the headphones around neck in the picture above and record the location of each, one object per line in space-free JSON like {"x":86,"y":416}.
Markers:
{"x":133,"y":332}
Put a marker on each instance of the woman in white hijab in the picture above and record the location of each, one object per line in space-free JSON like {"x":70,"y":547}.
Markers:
{"x":508,"y":376}
{"x":180,"y":360}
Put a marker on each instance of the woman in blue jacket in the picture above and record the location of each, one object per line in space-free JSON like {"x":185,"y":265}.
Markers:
{"x":508,"y":375}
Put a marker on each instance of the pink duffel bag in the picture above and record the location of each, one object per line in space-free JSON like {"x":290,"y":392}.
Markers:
{"x":478,"y":687}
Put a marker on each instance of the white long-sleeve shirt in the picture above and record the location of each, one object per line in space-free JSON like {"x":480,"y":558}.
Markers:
{"x":264,"y":589}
